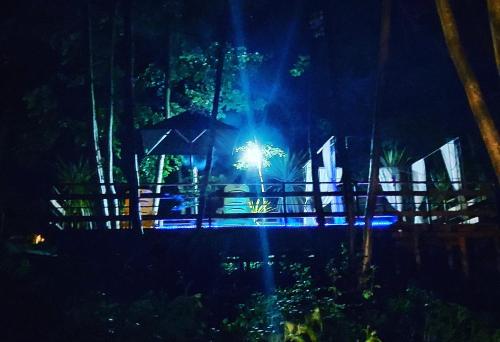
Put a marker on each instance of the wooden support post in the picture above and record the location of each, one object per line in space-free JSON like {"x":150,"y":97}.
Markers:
{"x":416,"y":248}
{"x":347,"y":189}
{"x":397,"y":257}
{"x":318,"y":200}
{"x":285,"y":211}
{"x":449,"y":252}
{"x":349,"y":208}
{"x":497,"y":249}
{"x":464,"y":256}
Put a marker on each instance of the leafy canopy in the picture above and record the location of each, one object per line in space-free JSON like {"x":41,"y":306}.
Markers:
{"x":192,"y":75}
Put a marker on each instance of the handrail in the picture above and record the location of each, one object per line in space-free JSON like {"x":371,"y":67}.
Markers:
{"x":477,"y":202}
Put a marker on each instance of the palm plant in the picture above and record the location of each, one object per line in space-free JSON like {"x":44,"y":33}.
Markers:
{"x":393,"y":155}
{"x":288,"y":170}
{"x":389,"y":174}
{"x":308,"y":330}
{"x":74,"y":178}
{"x":260,"y":206}
{"x":442,"y":183}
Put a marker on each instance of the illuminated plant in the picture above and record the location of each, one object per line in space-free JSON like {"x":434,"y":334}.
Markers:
{"x":74,"y":178}
{"x":260,"y":206}
{"x":256,"y":155}
{"x":393,"y":155}
{"x":289,"y":171}
{"x":300,"y":66}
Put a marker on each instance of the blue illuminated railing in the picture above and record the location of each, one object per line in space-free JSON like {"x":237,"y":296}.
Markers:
{"x":286,"y":205}
{"x":296,"y":222}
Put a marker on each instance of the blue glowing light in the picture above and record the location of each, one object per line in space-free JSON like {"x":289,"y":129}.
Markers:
{"x":253,"y":155}
{"x":378,"y":222}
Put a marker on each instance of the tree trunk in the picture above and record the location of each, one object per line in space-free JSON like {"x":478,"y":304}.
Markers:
{"x":347,"y":183}
{"x":373,"y":184}
{"x":95,"y":128}
{"x":494,"y":13}
{"x":478,"y":106}
{"x":131,"y":146}
{"x":158,"y":181}
{"x":317,"y":101}
{"x":168,"y":91}
{"x":215,"y":110}
{"x":111,"y":117}
{"x":3,"y":181}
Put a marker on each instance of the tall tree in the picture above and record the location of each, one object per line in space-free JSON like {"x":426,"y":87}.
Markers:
{"x":215,"y":111}
{"x":316,"y":101}
{"x":95,"y":129}
{"x":494,"y":13}
{"x":375,"y":138}
{"x":167,"y":95}
{"x":131,"y":145}
{"x":477,"y":104}
{"x":111,"y":114}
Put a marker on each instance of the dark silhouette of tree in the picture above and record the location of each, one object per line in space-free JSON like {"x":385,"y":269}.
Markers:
{"x":131,"y":157}
{"x":111,"y":113}
{"x":213,"y":116}
{"x":375,"y":138}
{"x":93,"y":110}
{"x":477,"y":103}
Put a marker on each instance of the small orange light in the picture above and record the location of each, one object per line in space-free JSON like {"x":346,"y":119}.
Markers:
{"x":38,"y":238}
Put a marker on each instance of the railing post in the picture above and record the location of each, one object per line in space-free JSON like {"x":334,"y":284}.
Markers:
{"x":428,"y":203}
{"x":285,"y":211}
{"x":497,"y":250}
{"x":318,"y":203}
{"x":464,"y":256}
{"x":348,"y":203}
{"x":416,"y":247}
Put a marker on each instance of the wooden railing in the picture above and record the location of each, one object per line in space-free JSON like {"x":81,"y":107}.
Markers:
{"x":286,"y":205}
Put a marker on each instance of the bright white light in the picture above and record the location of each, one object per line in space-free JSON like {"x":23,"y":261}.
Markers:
{"x":253,"y":154}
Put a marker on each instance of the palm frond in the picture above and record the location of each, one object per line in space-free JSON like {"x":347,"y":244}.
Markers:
{"x":393,"y":155}
{"x":260,"y":206}
{"x":289,"y":170}
{"x":74,"y":175}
